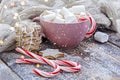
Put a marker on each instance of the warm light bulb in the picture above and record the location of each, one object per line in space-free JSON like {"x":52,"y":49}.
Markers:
{"x":1,"y":42}
{"x":16,"y":24}
{"x":12,"y":28}
{"x":5,"y":6}
{"x":16,"y":14}
{"x":22,"y":3}
{"x":46,"y":0}
{"x":22,"y":56}
{"x":14,"y":17}
{"x":37,"y":65}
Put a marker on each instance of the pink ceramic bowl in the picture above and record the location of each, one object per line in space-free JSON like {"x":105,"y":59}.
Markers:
{"x":67,"y":35}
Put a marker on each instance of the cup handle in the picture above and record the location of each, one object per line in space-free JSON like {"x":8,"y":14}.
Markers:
{"x":93,"y":27}
{"x":92,"y":23}
{"x":36,"y":19}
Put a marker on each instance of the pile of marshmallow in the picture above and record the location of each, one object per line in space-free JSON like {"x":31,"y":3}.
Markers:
{"x":65,"y":15}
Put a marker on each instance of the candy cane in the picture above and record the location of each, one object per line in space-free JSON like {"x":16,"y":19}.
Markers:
{"x":73,"y":66}
{"x":47,"y":74}
{"x":32,"y":55}
{"x":93,"y":25}
{"x":92,"y":22}
{"x":43,"y":60}
{"x":29,"y":61}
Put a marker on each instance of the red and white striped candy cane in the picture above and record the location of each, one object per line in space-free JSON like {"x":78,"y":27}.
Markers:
{"x":73,"y":66}
{"x":43,"y":60}
{"x":47,"y":74}
{"x":29,"y":61}
{"x":92,"y":23}
{"x":68,"y":66}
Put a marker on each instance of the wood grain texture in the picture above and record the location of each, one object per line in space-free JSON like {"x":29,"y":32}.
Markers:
{"x":115,"y":39}
{"x":6,"y":73}
{"x":99,"y":62}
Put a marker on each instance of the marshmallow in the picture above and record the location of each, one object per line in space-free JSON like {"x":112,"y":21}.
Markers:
{"x":49,"y":17}
{"x":46,"y":12}
{"x":77,"y":9}
{"x":83,"y":14}
{"x":65,"y":12}
{"x":57,"y":11}
{"x":101,"y":37}
{"x":65,"y":15}
{"x":58,"y":20}
{"x":69,"y":17}
{"x":59,"y":15}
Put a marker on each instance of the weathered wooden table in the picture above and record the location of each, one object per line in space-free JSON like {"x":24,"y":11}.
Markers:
{"x":99,"y":62}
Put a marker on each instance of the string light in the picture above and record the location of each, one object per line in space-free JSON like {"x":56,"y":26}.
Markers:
{"x":16,"y":14}
{"x":22,"y":3}
{"x":5,"y":7}
{"x":16,"y":24}
{"x":37,"y":65}
{"x":22,"y":56}
{"x":14,"y":17}
{"x":1,"y":42}
{"x":12,"y":28}
{"x":46,"y":0}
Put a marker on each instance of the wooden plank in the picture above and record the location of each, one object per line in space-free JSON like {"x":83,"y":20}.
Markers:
{"x":6,"y":73}
{"x":91,"y":69}
{"x":106,"y":55}
{"x":115,"y":39}
{"x":99,"y":62}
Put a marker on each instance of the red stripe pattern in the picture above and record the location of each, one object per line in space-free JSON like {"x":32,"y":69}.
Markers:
{"x":67,"y":66}
{"x":92,"y":22}
{"x":41,"y":60}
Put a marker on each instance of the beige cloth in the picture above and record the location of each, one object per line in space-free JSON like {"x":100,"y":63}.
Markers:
{"x":7,"y":37}
{"x":112,"y":9}
{"x":35,"y":7}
